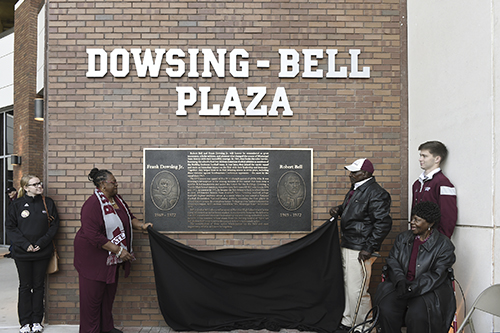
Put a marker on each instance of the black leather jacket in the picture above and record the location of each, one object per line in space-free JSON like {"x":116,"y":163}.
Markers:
{"x":365,"y":221}
{"x":432,"y":277}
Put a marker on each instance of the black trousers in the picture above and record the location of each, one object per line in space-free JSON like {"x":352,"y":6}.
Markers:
{"x":31,"y":290}
{"x":395,"y":312}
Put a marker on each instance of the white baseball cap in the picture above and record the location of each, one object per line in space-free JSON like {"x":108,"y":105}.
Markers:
{"x":361,"y":164}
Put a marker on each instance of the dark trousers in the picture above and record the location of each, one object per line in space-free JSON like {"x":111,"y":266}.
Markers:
{"x":395,"y":312}
{"x":96,"y":305}
{"x":31,"y":290}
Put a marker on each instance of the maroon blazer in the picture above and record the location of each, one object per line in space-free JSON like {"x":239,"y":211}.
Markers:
{"x":90,"y":258}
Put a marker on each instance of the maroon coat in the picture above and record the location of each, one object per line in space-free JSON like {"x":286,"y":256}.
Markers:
{"x":90,"y":258}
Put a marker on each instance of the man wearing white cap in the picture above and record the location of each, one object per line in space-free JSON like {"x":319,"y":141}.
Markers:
{"x":365,"y":221}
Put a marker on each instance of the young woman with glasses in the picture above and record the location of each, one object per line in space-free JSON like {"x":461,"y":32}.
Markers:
{"x":32,"y":223}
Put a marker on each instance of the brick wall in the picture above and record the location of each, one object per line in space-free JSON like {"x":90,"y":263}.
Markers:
{"x":107,"y":122}
{"x":28,"y":133}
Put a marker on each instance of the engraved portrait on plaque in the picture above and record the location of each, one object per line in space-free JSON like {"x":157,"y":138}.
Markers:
{"x":291,"y":190}
{"x":165,"y":190}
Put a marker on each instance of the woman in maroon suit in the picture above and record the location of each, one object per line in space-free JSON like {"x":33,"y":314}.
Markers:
{"x":103,"y":243}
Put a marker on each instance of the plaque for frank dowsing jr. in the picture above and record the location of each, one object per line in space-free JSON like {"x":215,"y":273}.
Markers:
{"x":228,"y":190}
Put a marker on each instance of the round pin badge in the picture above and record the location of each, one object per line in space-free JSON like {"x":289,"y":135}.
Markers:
{"x":25,"y":213}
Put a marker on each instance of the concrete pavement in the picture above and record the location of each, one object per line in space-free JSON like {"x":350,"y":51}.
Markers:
{"x":9,"y":322}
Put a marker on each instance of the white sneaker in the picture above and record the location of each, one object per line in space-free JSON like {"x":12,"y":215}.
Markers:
{"x":25,"y":329}
{"x":37,"y":328}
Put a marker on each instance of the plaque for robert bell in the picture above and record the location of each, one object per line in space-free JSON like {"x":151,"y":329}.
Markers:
{"x":228,"y":190}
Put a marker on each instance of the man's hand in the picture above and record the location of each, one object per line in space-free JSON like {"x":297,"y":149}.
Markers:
{"x":334,"y":211}
{"x":364,"y":255}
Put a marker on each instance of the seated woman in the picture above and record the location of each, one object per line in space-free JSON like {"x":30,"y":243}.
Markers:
{"x":418,"y":291}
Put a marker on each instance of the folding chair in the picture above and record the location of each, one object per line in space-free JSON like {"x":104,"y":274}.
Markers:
{"x":488,"y":301}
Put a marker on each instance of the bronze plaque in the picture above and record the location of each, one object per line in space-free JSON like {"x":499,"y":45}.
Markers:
{"x":228,"y":190}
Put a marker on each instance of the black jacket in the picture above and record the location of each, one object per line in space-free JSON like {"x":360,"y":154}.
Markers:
{"x":365,"y":221}
{"x":27,"y":223}
{"x":432,"y":277}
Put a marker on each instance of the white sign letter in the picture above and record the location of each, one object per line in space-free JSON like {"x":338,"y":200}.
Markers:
{"x":181,"y":66}
{"x":286,"y":62}
{"x":205,"y":111}
{"x":193,"y":63}
{"x":182,"y":102}
{"x":309,"y":63}
{"x":113,"y":68}
{"x":232,"y":100}
{"x":233,"y":58}
{"x":91,"y":70}
{"x":331,"y":66}
{"x":280,"y":100}
{"x":218,"y":65}
{"x":365,"y":74}
{"x":142,"y":67}
{"x":260,"y":93}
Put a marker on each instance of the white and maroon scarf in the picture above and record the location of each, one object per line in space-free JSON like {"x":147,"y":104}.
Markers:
{"x":114,"y":226}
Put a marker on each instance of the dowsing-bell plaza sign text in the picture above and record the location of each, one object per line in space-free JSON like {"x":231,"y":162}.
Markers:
{"x":290,"y":61}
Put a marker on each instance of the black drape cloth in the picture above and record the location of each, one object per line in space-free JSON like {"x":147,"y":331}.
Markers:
{"x":295,"y":286}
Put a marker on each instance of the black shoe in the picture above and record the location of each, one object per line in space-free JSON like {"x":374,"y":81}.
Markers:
{"x":7,"y":255}
{"x":343,"y":329}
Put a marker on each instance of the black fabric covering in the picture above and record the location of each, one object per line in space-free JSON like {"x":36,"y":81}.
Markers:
{"x":294,"y":286}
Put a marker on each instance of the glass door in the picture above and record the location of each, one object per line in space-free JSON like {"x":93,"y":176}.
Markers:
{"x":6,"y":169}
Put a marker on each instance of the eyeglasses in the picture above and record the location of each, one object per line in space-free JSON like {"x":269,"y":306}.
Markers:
{"x":36,"y":184}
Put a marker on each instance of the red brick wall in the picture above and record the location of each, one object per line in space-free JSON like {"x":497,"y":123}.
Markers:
{"x":28,"y":133}
{"x":107,"y":122}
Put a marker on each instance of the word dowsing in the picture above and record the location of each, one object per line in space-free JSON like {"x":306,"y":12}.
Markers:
{"x":289,"y":63}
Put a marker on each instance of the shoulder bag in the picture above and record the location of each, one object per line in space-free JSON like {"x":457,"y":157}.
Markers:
{"x":54,"y":260}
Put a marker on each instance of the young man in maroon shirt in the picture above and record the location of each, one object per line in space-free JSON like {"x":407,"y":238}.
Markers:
{"x":432,"y":185}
